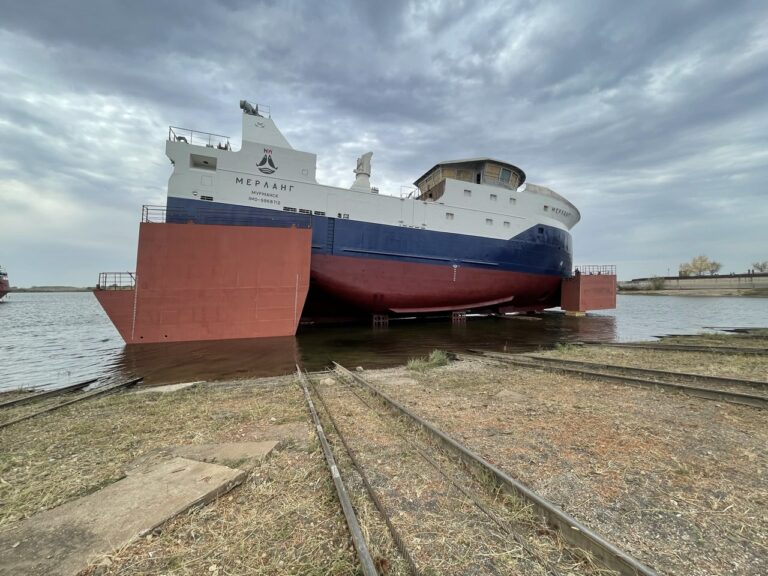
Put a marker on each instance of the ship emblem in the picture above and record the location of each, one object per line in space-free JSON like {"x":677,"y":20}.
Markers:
{"x":266,"y":166}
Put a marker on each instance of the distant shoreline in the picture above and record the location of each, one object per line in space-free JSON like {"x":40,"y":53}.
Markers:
{"x":731,"y":292}
{"x":51,"y":289}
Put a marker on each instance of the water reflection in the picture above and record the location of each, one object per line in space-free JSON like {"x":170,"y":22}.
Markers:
{"x":376,"y":348}
{"x":189,"y":361}
{"x":314,"y":348}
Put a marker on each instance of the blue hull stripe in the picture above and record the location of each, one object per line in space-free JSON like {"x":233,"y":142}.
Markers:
{"x":540,"y":249}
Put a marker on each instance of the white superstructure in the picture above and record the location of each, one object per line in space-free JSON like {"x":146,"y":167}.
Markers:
{"x":268,"y":173}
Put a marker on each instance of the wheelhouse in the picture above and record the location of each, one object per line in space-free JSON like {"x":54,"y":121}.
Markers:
{"x":475,"y":170}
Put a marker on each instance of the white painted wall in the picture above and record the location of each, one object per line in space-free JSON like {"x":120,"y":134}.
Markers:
{"x":236,"y":180}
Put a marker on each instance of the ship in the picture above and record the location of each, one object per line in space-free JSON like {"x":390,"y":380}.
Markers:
{"x":5,"y":287}
{"x":250,"y":236}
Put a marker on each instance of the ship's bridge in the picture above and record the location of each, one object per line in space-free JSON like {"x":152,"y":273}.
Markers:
{"x":477,"y":170}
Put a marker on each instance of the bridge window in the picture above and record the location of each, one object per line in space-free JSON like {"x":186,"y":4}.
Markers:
{"x":506,"y":175}
{"x":202,"y":162}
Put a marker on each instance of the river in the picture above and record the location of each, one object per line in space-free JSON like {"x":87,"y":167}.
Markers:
{"x":53,"y":339}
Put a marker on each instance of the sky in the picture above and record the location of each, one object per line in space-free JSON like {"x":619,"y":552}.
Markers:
{"x":651,"y":117}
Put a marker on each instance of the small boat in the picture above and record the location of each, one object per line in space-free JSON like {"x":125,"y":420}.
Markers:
{"x":5,"y":287}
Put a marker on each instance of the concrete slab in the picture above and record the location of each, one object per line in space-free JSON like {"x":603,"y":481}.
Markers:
{"x":169,"y":387}
{"x":64,"y":540}
{"x":231,"y":453}
{"x":234,"y":454}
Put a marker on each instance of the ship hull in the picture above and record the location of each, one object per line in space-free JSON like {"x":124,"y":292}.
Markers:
{"x":384,"y":286}
{"x":382,"y":269}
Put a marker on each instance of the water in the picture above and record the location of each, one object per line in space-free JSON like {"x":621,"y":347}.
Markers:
{"x":53,"y":339}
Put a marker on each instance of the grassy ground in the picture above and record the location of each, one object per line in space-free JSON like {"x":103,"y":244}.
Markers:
{"x":677,"y":481}
{"x":746,"y":366}
{"x":284,"y":519}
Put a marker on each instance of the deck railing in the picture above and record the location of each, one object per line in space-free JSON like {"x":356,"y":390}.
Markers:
{"x":116,"y":281}
{"x":594,"y":269}
{"x":226,"y":216}
{"x":207,"y":139}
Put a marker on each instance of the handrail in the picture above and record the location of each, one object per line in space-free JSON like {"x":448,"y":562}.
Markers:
{"x":223,"y":215}
{"x":595,"y":269}
{"x":198,"y":138}
{"x":116,"y":281}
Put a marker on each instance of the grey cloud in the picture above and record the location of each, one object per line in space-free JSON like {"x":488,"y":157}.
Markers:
{"x":645,"y":115}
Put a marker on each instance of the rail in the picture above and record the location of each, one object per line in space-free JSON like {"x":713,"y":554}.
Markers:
{"x":358,"y":540}
{"x":571,"y":530}
{"x":684,"y":348}
{"x":116,"y":281}
{"x":198,"y":138}
{"x":224,"y":215}
{"x":717,"y":395}
{"x":47,"y":393}
{"x":92,"y":394}
{"x":595,"y":269}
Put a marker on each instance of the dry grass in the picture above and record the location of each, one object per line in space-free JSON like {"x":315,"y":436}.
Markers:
{"x":8,"y":395}
{"x":435,"y":359}
{"x":284,"y":519}
{"x":746,"y":366}
{"x":677,"y":481}
{"x":443,"y":529}
{"x":756,"y":339}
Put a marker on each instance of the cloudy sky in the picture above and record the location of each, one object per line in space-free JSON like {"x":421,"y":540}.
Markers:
{"x":651,"y":117}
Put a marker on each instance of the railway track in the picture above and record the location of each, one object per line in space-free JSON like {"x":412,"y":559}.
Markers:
{"x":446,"y":509}
{"x":650,"y":373}
{"x":685,"y":348}
{"x":107,"y":389}
{"x":745,"y":392}
{"x":47,"y":393}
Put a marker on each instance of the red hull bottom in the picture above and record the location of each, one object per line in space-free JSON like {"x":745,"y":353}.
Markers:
{"x":4,"y":288}
{"x":207,"y":282}
{"x":384,"y":286}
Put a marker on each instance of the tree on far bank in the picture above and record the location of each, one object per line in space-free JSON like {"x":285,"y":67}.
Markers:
{"x":760,"y":266}
{"x":699,"y":266}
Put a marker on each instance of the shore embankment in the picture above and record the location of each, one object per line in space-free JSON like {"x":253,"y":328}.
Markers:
{"x":750,"y":285}
{"x":676,"y":480}
{"x":744,"y":293}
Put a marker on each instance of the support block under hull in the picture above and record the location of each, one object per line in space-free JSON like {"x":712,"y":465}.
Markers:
{"x":209,"y":282}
